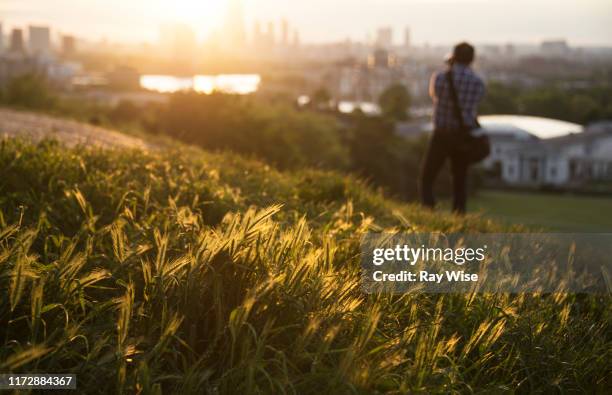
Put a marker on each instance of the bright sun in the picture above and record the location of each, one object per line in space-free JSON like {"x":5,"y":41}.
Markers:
{"x":200,"y":14}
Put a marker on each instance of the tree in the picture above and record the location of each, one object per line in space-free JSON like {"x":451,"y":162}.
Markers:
{"x":380,"y":156}
{"x":394,"y":102}
{"x":500,"y":99}
{"x":321,"y":98}
{"x":30,"y":91}
{"x":275,"y":133}
{"x":585,"y":109}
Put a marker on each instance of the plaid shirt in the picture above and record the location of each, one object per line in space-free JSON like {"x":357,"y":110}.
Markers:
{"x":470,"y":90}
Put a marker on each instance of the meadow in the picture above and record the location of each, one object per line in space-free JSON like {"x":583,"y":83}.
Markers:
{"x":553,"y":212}
{"x":181,"y":271}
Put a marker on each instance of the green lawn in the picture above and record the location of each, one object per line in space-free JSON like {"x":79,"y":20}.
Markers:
{"x":550,"y":211}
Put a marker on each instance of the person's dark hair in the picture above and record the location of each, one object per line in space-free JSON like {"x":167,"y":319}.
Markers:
{"x":463,"y":53}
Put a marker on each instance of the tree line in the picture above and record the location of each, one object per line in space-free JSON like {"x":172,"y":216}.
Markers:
{"x":582,"y":103}
{"x":275,"y":131}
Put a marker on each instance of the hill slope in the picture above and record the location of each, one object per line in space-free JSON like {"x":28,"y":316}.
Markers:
{"x":36,"y":126}
{"x":187,"y":272}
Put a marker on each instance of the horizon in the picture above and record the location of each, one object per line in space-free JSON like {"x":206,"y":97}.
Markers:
{"x":495,"y":22}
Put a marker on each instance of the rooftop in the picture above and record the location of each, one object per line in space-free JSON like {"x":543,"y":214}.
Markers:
{"x":523,"y":126}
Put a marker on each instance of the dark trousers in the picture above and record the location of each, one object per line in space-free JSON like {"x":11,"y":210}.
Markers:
{"x":440,"y":149}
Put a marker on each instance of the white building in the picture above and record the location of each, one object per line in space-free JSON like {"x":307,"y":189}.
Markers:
{"x":529,"y":151}
{"x":538,"y":152}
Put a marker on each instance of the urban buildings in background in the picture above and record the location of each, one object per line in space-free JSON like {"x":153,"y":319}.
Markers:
{"x":35,"y":53}
{"x":68,"y":47}
{"x":350,"y":70}
{"x":356,"y":71}
{"x":384,"y":38}
{"x":39,"y":40}
{"x":522,"y":157}
{"x":17,"y":45}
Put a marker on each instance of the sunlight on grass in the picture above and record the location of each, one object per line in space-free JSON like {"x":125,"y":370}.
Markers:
{"x":185,"y":272}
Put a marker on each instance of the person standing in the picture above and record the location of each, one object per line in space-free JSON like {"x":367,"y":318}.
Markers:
{"x":449,"y":129}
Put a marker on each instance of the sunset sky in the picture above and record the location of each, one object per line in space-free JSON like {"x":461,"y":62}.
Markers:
{"x":432,"y":21}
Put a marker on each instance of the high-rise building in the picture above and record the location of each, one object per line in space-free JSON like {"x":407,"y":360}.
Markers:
{"x":555,"y":48}
{"x":258,"y":35}
{"x":382,"y":59}
{"x":407,"y":38}
{"x":17,"y":45}
{"x":1,"y":39}
{"x":68,"y":45}
{"x":284,"y":32}
{"x":39,"y":40}
{"x":384,"y":37}
{"x":296,"y":38}
{"x":271,"y":34}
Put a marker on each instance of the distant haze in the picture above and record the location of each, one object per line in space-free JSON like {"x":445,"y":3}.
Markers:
{"x":581,"y":22}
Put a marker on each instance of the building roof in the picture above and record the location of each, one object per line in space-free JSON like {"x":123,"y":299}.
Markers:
{"x":515,"y":127}
{"x":599,"y":126}
{"x":590,"y":137}
{"x":526,"y":127}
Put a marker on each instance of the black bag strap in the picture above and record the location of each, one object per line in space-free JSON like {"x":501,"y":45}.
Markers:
{"x":455,"y":99}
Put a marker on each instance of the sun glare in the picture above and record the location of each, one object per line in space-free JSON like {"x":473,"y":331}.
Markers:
{"x":199,"y":14}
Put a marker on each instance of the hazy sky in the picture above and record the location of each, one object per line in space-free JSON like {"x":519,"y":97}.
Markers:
{"x":433,"y":21}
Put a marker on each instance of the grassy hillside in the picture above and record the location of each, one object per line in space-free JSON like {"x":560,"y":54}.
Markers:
{"x":185,"y":272}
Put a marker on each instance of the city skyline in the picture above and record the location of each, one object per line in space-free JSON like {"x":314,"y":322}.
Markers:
{"x":581,"y":22}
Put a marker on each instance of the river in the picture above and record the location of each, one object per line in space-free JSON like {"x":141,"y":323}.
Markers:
{"x":242,"y":84}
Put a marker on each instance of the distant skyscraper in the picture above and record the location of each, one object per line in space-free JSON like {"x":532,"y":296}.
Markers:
{"x":296,"y":38}
{"x":284,"y":32}
{"x":407,"y":38}
{"x":1,"y":39}
{"x":258,"y":40}
{"x":234,"y":33}
{"x":17,"y":44}
{"x":555,"y":48}
{"x":39,"y":40}
{"x":384,"y":37}
{"x":381,"y":59}
{"x":68,"y":45}
{"x":271,"y":34}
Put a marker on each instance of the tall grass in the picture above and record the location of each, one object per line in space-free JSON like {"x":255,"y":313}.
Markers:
{"x":185,"y":272}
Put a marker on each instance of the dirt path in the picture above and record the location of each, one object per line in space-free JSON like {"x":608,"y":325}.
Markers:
{"x":36,"y":126}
